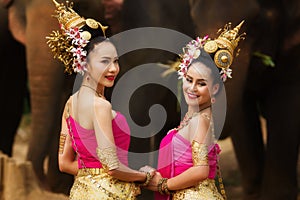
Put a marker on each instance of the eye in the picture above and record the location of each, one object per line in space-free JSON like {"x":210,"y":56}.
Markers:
{"x":188,"y":79}
{"x":202,"y":83}
{"x":105,"y":61}
{"x":116,"y":61}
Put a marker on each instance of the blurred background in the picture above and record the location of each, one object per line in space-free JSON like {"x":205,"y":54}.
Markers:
{"x":261,"y":135}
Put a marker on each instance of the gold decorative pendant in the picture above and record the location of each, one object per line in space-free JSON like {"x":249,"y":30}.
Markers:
{"x":223,"y":58}
{"x":91,"y":23}
{"x":210,"y":46}
{"x":86,"y":35}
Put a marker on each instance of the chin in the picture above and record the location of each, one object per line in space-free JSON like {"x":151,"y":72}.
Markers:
{"x":191,"y":102}
{"x":110,"y":84}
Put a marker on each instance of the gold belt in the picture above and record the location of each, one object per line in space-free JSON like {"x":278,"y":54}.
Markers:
{"x":90,"y":171}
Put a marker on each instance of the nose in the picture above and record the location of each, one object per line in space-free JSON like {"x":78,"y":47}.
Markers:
{"x":193,"y":86}
{"x":114,"y":67}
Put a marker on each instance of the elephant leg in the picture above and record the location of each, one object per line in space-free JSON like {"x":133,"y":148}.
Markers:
{"x":248,"y":145}
{"x":13,"y":82}
{"x":46,"y":79}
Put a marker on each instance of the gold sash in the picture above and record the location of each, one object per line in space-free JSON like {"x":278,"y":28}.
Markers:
{"x":95,"y":184}
{"x":205,"y":190}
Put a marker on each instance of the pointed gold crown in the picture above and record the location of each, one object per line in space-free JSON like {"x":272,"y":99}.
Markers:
{"x":229,"y":38}
{"x":224,"y":45}
{"x":67,"y":17}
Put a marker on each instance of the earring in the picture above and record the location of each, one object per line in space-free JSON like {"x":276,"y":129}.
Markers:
{"x":213,"y":100}
{"x":87,"y":78}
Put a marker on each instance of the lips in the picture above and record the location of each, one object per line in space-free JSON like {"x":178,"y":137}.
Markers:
{"x":110,"y":78}
{"x":192,"y":96}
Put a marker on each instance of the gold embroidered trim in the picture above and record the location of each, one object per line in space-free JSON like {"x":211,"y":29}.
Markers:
{"x":108,"y":158}
{"x":199,"y":153}
{"x":62,"y":141}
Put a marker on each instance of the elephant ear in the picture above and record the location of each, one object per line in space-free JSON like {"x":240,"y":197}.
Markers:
{"x":16,"y":19}
{"x":61,"y":47}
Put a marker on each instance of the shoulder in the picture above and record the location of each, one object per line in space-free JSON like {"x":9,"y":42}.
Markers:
{"x":102,"y":107}
{"x":200,"y":121}
{"x":102,"y":103}
{"x":199,"y":127}
{"x":67,"y":107}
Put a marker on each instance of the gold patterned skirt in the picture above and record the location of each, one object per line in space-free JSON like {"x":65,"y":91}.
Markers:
{"x":95,"y":184}
{"x":205,"y":190}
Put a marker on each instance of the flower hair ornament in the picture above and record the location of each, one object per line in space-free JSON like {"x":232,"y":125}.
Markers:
{"x":75,"y":32}
{"x":221,"y":49}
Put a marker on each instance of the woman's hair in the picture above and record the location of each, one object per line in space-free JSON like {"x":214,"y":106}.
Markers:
{"x":93,"y":42}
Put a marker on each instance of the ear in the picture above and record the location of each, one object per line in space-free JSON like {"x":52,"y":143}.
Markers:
{"x":215,"y":89}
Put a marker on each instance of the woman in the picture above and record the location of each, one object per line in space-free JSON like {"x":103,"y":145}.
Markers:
{"x":94,"y":138}
{"x":188,"y":155}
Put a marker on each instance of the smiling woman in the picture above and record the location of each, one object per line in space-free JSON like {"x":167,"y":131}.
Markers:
{"x":188,"y":155}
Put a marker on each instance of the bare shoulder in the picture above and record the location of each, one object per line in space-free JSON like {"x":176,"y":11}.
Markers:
{"x":67,"y":107}
{"x":199,"y":127}
{"x":102,"y":107}
{"x":102,"y":103}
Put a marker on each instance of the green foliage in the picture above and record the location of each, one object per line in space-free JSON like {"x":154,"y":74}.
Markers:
{"x":266,"y":60}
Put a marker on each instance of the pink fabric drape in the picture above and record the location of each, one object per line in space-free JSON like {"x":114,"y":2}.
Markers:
{"x":86,"y":144}
{"x":175,"y":157}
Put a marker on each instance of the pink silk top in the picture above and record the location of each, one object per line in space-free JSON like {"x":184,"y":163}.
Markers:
{"x":85,"y":144}
{"x":175,"y":156}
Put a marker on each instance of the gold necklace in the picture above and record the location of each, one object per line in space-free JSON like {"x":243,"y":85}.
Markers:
{"x":99,"y":95}
{"x":185,"y":121}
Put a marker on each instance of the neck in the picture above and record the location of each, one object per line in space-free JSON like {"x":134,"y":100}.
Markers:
{"x":99,"y":89}
{"x":192,"y":109}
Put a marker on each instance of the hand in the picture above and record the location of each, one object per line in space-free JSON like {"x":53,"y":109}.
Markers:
{"x":149,"y":169}
{"x":154,"y":182}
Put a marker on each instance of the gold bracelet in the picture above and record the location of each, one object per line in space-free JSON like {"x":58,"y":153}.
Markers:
{"x":165,"y":188}
{"x":148,"y":179}
{"x":160,"y":185}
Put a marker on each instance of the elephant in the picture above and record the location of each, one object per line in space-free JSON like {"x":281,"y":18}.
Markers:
{"x":13,"y":79}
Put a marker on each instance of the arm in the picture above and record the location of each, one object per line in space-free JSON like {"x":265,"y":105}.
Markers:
{"x":66,"y":157}
{"x":106,"y":150}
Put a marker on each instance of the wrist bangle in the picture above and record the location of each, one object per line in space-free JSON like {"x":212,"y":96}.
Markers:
{"x":162,"y":187}
{"x":160,"y":184}
{"x":148,"y":179}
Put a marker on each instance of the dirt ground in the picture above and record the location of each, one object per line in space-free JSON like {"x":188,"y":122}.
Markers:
{"x":228,"y":163}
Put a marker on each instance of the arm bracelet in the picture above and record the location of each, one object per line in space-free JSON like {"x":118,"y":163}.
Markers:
{"x":148,"y":179}
{"x":162,"y":187}
{"x":108,"y":157}
{"x":199,"y":153}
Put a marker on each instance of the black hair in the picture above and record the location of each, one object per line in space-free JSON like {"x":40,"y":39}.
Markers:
{"x":97,"y":36}
{"x":93,"y":42}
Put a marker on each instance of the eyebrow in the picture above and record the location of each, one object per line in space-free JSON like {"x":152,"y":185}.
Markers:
{"x":202,"y":79}
{"x":106,"y":57}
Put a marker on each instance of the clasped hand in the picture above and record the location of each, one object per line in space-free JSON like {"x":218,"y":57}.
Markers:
{"x":156,"y":176}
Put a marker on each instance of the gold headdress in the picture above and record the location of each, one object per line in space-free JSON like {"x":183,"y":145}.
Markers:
{"x":75,"y":32}
{"x":222,"y":49}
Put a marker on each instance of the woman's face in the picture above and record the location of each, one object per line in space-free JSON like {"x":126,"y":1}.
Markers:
{"x":103,"y":65}
{"x":198,"y":86}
